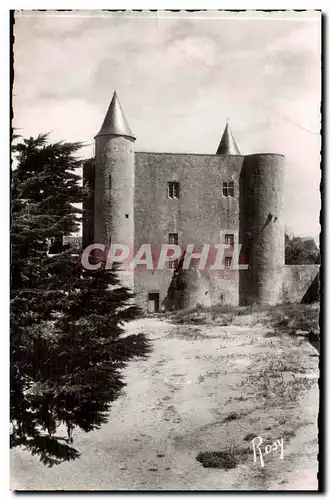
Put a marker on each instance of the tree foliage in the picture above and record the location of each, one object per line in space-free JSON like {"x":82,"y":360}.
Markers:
{"x":300,"y":251}
{"x":68,"y":342}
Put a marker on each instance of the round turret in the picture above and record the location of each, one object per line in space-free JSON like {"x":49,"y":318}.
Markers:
{"x":114,"y":180}
{"x":261,"y":229}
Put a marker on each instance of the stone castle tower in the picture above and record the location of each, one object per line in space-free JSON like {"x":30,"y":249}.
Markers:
{"x":157,"y":198}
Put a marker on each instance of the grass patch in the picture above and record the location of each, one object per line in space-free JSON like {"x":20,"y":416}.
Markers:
{"x":224,"y":459}
{"x":250,"y":436}
{"x":283,"y":318}
{"x":280,"y":378}
{"x":288,"y":433}
{"x":199,"y":315}
{"x":291,"y":318}
{"x":232,"y":416}
{"x":188,"y":333}
{"x":207,"y":375}
{"x":270,"y":335}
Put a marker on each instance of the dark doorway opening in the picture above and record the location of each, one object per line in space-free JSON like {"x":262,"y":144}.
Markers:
{"x":153,"y":302}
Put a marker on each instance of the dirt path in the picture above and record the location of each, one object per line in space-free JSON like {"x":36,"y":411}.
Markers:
{"x":175,"y":405}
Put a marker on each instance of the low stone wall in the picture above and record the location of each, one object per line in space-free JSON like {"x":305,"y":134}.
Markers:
{"x":192,"y":287}
{"x":185,"y":289}
{"x":297,"y":280}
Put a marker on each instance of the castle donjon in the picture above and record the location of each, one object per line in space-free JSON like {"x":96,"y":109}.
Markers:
{"x":141,"y":198}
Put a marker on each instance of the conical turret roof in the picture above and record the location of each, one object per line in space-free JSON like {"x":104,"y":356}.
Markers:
{"x":115,"y":122}
{"x":227,"y":145}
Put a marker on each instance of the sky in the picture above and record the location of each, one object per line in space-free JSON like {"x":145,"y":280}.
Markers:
{"x":179,"y":78}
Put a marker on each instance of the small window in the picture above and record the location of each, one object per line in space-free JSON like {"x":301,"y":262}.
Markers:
{"x":228,"y":189}
{"x":229,"y":239}
{"x":227,"y":262}
{"x":173,"y":190}
{"x":222,"y":297}
{"x":173,"y":240}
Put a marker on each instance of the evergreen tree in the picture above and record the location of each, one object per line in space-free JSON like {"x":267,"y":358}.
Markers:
{"x":68,"y":343}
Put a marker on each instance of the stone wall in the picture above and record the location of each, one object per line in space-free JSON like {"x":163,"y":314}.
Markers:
{"x":297,"y":280}
{"x":224,"y":287}
{"x":201,"y":214}
{"x":131,"y":205}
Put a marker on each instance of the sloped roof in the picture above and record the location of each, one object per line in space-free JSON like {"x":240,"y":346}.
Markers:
{"x":115,"y":122}
{"x":228,"y":144}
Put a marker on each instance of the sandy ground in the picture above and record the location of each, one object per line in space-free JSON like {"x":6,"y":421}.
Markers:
{"x":174,"y":407}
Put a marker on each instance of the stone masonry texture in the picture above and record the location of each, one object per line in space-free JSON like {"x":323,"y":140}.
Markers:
{"x":130,"y":205}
